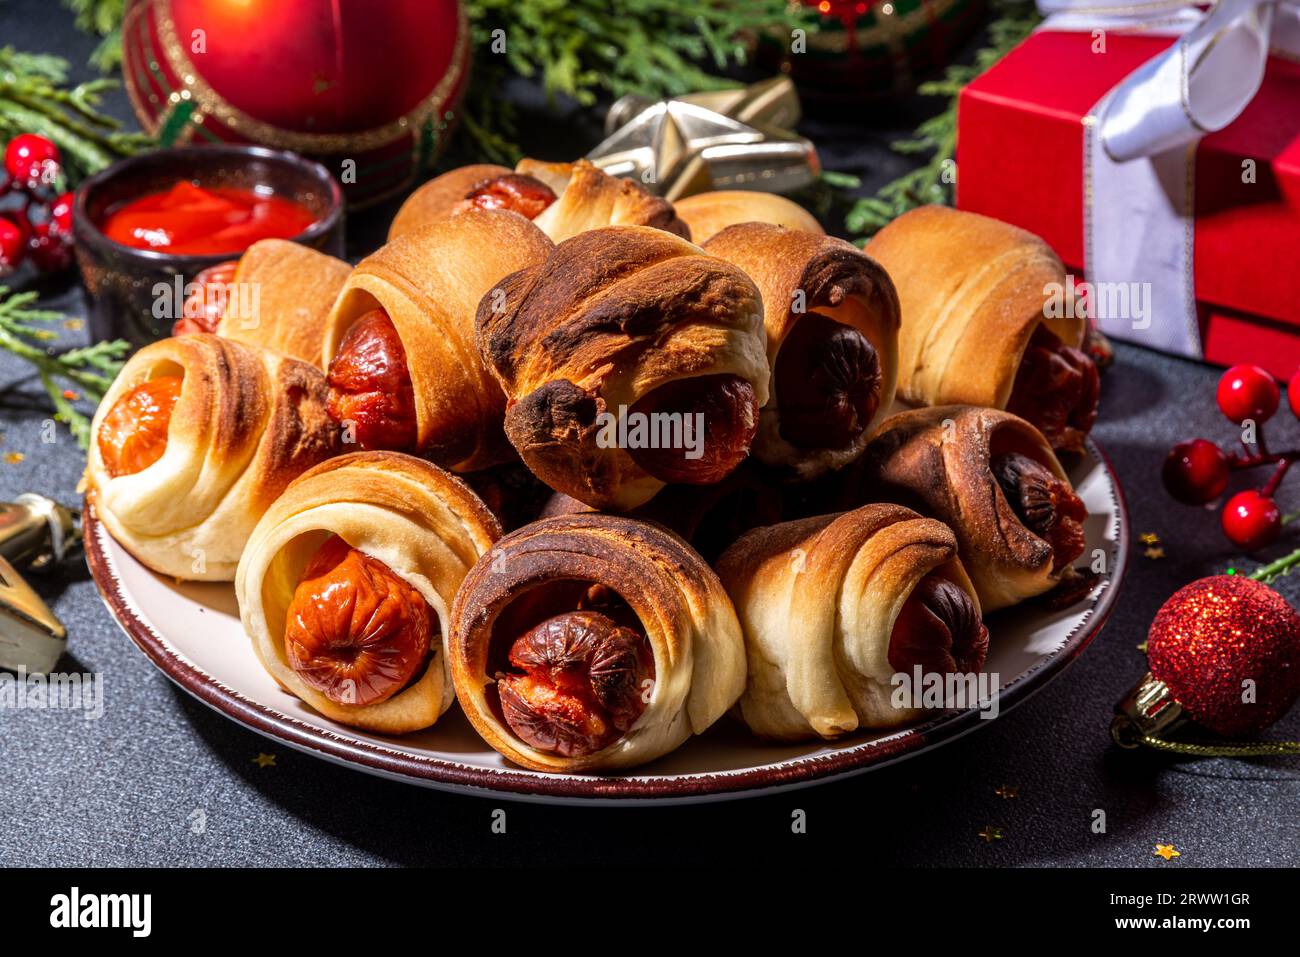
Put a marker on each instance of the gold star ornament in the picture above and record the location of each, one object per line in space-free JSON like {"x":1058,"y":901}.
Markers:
{"x":722,"y":139}
{"x":1166,"y":851}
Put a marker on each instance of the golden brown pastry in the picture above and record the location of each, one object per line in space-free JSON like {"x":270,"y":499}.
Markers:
{"x":399,"y":349}
{"x":563,"y":199}
{"x":445,"y":195}
{"x":196,"y":437}
{"x":977,"y":328}
{"x":593,"y":642}
{"x":346,"y":587}
{"x":629,"y":360}
{"x":832,"y":343}
{"x":992,"y":477}
{"x":708,"y":214}
{"x":278,"y":294}
{"x":708,"y":517}
{"x":833,"y":607}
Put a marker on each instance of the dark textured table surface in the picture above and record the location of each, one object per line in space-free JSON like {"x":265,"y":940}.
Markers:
{"x":130,"y":788}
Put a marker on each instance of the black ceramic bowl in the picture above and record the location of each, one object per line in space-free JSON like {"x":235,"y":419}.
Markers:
{"x":126,"y":300}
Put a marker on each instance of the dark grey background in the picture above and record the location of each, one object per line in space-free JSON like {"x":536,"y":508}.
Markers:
{"x":124,"y":790}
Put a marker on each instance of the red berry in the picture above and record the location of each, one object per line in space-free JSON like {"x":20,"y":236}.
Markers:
{"x":31,"y":160}
{"x":12,"y":243}
{"x":1251,"y":520}
{"x":61,"y":215}
{"x":1248,"y":392}
{"x":1195,"y":472}
{"x":1293,"y":393}
{"x":51,"y":252}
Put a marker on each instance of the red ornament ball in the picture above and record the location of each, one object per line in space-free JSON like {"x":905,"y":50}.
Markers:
{"x":369,"y":89}
{"x":1195,"y":472}
{"x":1211,"y":637}
{"x":1248,"y":392}
{"x":1251,"y":521}
{"x":31,"y":160}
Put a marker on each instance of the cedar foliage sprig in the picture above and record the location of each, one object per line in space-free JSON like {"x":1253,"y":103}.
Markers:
{"x":1013,"y":21}
{"x":583,"y":49}
{"x":25,"y":331}
{"x":35,"y":98}
{"x":102,"y":18}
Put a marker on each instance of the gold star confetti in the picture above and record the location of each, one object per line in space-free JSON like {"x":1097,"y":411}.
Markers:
{"x":1008,"y":792}
{"x":14,"y":458}
{"x":1149,"y":538}
{"x":1166,"y":851}
{"x":1142,"y":647}
{"x":990,"y":834}
{"x":1154,"y":553}
{"x":265,"y":760}
{"x":74,"y":325}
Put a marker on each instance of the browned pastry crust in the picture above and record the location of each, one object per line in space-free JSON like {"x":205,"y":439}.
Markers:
{"x":972,"y":291}
{"x":296,"y":289}
{"x":587,"y":198}
{"x":708,"y":214}
{"x":936,"y":460}
{"x":247,"y":422}
{"x":708,"y":517}
{"x":438,"y":199}
{"x":425,"y":525}
{"x":817,"y":600}
{"x":837,"y":281}
{"x":682,"y":608}
{"x":612,"y":314}
{"x":429,"y":282}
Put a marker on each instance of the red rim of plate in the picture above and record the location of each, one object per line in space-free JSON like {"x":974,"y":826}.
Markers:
{"x":376,"y":758}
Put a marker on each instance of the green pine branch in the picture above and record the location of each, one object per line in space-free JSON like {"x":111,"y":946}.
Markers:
{"x":585,"y":49}
{"x":82,"y":373}
{"x":35,"y":98}
{"x":934,"y":180}
{"x":101,"y":18}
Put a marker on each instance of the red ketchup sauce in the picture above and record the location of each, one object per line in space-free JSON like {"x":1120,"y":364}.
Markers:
{"x":201,"y":220}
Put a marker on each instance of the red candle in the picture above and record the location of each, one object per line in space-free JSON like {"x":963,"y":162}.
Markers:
{"x":189,"y":219}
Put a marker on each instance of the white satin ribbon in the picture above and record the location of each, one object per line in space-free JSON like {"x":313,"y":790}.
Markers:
{"x":1139,"y":148}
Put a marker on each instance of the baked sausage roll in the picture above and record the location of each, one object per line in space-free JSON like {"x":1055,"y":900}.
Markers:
{"x":479,"y":184}
{"x":629,"y":360}
{"x":977,"y":325}
{"x":832,"y":343}
{"x":278,"y":294}
{"x":708,"y":517}
{"x":196,"y":436}
{"x":563,"y":199}
{"x":993,"y":478}
{"x":399,"y":351}
{"x":833,"y":607}
{"x":708,"y":214}
{"x":593,"y":642}
{"x":346,"y":587}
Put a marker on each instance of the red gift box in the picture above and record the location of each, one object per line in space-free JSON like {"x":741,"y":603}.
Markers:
{"x":1020,"y":150}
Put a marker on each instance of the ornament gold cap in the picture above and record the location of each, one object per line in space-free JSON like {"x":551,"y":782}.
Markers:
{"x":35,"y":533}
{"x":1149,"y":710}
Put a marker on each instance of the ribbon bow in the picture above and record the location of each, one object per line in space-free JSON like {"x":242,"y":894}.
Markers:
{"x":1200,"y":84}
{"x":1139,"y":143}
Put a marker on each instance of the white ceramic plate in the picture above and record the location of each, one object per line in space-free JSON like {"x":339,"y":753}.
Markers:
{"x":192,"y":633}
